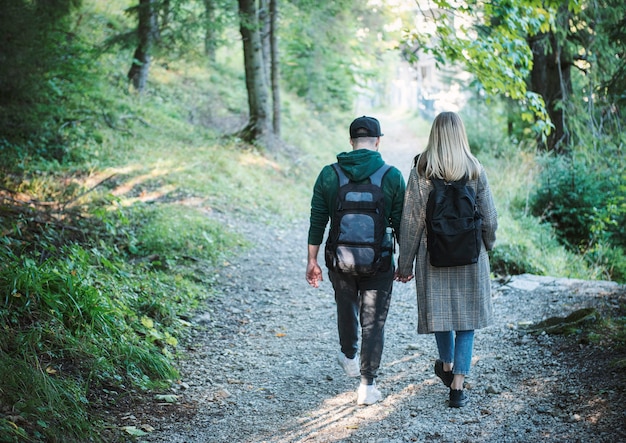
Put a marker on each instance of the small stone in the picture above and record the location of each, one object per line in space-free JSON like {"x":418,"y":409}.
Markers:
{"x":491,"y":389}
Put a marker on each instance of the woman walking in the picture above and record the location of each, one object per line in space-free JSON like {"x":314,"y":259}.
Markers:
{"x":452,"y":301}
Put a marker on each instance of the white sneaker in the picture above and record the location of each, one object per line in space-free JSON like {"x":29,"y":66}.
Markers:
{"x":350,"y":365}
{"x":368,"y":394}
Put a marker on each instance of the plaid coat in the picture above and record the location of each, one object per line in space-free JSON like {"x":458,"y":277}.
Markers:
{"x":448,"y":299}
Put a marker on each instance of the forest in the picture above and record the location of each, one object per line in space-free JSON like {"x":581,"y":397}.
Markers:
{"x":126,"y":125}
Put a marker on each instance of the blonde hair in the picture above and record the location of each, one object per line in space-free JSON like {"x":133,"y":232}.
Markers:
{"x":447,"y":153}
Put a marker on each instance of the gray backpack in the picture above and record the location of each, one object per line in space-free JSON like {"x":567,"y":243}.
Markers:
{"x":355,"y":242}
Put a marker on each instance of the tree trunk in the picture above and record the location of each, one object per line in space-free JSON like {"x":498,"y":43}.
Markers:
{"x":275,"y":72}
{"x":265,"y":30}
{"x":210,"y":40}
{"x":258,"y":128}
{"x":146,"y":31}
{"x":551,"y":78}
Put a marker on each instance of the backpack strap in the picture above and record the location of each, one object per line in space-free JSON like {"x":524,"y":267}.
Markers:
{"x":343,"y":178}
{"x":376,"y":178}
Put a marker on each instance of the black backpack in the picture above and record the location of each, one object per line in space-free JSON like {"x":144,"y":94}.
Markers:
{"x":355,"y":241}
{"x":453,"y":224}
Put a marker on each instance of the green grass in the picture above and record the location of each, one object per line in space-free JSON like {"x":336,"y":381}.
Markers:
{"x":71,"y":323}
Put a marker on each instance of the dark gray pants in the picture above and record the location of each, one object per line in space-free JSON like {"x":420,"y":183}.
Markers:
{"x":363,"y":300}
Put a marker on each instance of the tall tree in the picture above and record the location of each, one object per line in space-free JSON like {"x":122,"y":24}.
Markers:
{"x":258,"y":128}
{"x":550,"y":77}
{"x":275,"y":74}
{"x":146,"y":35}
{"x":264,"y":29}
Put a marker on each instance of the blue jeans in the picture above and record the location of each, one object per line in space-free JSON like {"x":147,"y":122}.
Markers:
{"x":456,"y":349}
{"x":364,"y":302}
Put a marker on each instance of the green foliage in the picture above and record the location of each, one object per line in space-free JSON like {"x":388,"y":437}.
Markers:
{"x":493,"y":42}
{"x":566,"y":196}
{"x":597,"y":35}
{"x":329,"y":49}
{"x":584,"y":198}
{"x":512,"y":259}
{"x":493,"y":47}
{"x":525,"y":245}
{"x":95,"y":283}
{"x":316,"y":66}
{"x":610,"y":258}
{"x":486,"y":124}
{"x":55,"y":413}
{"x":37,"y":80}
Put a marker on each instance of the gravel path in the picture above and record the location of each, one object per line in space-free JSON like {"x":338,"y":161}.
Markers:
{"x":261,"y":363}
{"x":261,"y":368}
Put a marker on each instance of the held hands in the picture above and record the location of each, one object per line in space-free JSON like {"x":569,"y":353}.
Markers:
{"x":402,"y":278}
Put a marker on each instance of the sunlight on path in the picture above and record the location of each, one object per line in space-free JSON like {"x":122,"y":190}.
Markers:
{"x":338,"y":418}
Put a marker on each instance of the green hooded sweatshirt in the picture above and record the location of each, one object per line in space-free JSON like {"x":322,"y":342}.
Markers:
{"x":358,"y":166}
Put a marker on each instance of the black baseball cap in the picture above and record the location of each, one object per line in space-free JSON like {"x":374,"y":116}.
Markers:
{"x":365,"y":127}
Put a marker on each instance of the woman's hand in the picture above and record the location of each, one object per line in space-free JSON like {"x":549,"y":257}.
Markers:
{"x":402,"y":278}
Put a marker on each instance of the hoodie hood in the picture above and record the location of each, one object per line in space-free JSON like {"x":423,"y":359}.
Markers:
{"x":360,"y":164}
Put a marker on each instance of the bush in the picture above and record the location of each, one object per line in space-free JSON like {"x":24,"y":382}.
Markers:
{"x":583,"y":200}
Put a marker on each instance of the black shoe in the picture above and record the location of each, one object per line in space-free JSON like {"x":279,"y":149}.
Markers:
{"x":458,"y":398}
{"x":445,"y":376}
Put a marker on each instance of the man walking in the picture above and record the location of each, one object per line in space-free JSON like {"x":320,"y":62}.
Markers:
{"x":361,"y":275}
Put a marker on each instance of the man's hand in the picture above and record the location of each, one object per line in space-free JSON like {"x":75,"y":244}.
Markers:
{"x":313,"y":270}
{"x":313,"y":274}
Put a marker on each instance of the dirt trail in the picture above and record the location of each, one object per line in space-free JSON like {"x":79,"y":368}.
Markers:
{"x":261,"y":365}
{"x":401,"y":141}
